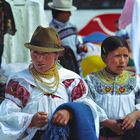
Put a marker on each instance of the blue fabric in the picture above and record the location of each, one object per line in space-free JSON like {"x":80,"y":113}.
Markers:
{"x":96,"y":37}
{"x":56,"y":132}
{"x":82,"y":126}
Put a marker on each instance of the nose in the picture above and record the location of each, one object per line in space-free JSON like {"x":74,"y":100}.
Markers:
{"x":39,"y":57}
{"x":122,"y":60}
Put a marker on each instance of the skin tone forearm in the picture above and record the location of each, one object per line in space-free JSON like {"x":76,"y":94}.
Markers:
{"x":39,"y":120}
{"x":128,"y":122}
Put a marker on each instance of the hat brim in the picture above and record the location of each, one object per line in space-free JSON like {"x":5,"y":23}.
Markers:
{"x":43,"y":49}
{"x":50,"y":4}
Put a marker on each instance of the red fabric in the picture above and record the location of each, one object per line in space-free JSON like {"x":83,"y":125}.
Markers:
{"x":110,"y":138}
{"x":77,"y":91}
{"x":53,"y":96}
{"x":67,"y":83}
{"x":18,"y":91}
{"x":107,"y":20}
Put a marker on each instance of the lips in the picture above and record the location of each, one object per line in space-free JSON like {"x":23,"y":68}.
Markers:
{"x":121,"y":67}
{"x":40,"y":65}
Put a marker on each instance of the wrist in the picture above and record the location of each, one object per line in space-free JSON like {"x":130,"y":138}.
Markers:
{"x":137,"y":114}
{"x":108,"y":123}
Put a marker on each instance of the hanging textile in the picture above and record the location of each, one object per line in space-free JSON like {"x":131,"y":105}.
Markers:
{"x":28,"y":15}
{"x":126,"y":15}
{"x":7,"y":24}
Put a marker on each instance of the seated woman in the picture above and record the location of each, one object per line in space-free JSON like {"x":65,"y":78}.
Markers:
{"x":33,"y":94}
{"x":117,"y":92}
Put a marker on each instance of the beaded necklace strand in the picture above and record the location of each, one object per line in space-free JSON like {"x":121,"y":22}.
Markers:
{"x":38,"y":77}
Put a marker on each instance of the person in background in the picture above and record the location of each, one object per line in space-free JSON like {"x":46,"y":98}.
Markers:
{"x":61,"y":12}
{"x":120,"y":32}
{"x":131,"y":65}
{"x":116,"y":91}
{"x":7,"y":25}
{"x":33,"y":95}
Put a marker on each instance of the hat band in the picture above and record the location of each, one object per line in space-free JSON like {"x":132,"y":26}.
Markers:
{"x":64,"y":7}
{"x":36,"y":48}
{"x":44,"y":45}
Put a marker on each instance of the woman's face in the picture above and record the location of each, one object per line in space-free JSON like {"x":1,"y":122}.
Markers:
{"x":43,"y":61}
{"x":116,"y":61}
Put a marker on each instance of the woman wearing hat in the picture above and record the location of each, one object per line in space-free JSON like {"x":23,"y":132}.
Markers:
{"x":32,"y":95}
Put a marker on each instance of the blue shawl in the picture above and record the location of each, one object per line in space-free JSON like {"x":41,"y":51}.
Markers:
{"x":81,"y":127}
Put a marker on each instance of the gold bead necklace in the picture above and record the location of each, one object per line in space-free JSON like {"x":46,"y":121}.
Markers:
{"x":51,"y":74}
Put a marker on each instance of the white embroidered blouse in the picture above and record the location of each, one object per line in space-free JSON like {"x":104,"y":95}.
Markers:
{"x":116,"y":95}
{"x":23,"y":99}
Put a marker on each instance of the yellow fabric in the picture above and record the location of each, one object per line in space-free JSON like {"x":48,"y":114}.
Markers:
{"x":91,"y":64}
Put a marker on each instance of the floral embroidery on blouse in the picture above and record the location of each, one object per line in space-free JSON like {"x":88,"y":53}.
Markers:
{"x":76,"y":91}
{"x":103,"y":83}
{"x":15,"y":89}
{"x":67,"y":83}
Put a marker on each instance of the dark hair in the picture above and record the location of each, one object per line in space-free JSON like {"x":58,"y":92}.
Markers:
{"x":112,"y":43}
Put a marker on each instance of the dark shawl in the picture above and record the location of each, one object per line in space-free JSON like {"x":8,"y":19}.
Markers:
{"x":7,"y":22}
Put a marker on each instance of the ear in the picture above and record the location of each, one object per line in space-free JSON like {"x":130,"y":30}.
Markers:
{"x":57,"y":55}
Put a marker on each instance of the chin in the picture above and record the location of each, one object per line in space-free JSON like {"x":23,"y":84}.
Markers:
{"x":40,"y":70}
{"x":120,"y":72}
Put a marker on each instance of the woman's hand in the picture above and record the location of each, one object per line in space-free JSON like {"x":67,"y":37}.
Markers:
{"x":129,"y":120}
{"x":39,"y":120}
{"x":62,"y":117}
